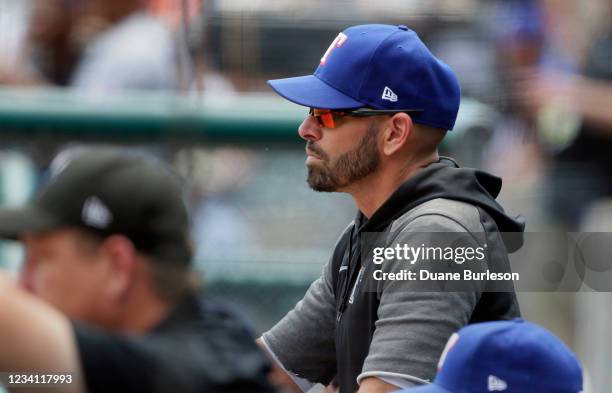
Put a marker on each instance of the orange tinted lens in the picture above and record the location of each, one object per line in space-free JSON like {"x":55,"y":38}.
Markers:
{"x":325,"y":117}
{"x":328,"y":120}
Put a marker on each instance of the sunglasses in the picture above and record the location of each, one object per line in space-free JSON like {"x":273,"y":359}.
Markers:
{"x":329,"y":118}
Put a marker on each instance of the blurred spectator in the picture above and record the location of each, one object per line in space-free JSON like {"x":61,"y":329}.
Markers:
{"x":97,"y":45}
{"x":524,"y":43}
{"x":516,"y":32}
{"x":46,"y":56}
{"x":576,"y":123}
{"x":13,"y":24}
{"x":123,"y":47}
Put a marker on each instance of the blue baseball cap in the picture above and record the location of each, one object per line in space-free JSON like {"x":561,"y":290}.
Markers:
{"x":379,"y":67}
{"x":508,"y":357}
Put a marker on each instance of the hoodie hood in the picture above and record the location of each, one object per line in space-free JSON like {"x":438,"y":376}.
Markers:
{"x":444,"y":179}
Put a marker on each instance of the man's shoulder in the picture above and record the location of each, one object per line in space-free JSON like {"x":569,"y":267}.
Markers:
{"x":203,"y":345}
{"x":211,"y":328}
{"x":222,"y":318}
{"x":441,"y":210}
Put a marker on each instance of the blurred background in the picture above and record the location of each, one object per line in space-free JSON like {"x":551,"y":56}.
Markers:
{"x":185,"y":80}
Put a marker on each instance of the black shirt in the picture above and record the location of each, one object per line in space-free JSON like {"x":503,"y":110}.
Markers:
{"x":200,"y":347}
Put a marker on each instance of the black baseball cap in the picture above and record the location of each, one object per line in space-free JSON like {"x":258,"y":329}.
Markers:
{"x":111,"y":191}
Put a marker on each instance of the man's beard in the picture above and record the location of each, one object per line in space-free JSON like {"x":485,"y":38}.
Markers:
{"x":347,"y":168}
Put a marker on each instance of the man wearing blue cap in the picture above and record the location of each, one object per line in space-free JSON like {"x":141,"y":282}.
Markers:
{"x":505,"y":356}
{"x":380,"y":104}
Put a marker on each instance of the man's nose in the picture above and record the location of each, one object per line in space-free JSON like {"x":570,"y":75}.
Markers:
{"x":310,"y":129}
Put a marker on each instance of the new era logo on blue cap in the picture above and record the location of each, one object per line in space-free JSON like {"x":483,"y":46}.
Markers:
{"x":379,"y":67}
{"x":389,"y":95}
{"x":505,"y":356}
{"x":495,"y":384}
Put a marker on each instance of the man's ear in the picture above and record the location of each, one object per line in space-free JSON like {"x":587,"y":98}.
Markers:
{"x":122,"y":262}
{"x":398,"y":130}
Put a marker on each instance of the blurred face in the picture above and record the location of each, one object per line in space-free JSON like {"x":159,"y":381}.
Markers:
{"x":65,"y":269}
{"x":48,"y":21}
{"x":339,"y":157}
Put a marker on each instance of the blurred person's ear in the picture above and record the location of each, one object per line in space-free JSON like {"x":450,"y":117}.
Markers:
{"x":396,"y":133}
{"x":121,"y":257}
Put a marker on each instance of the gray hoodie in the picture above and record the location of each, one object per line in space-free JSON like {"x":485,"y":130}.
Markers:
{"x":348,"y":327}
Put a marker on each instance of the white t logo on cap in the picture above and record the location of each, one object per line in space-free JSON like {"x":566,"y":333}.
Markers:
{"x":496,"y":384}
{"x":450,"y":344}
{"x":336,"y":43}
{"x":389,"y":95}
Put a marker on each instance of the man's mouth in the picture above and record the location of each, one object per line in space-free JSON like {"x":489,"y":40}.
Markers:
{"x":312,"y":154}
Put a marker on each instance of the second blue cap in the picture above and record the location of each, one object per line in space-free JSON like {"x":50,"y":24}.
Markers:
{"x":507,"y":357}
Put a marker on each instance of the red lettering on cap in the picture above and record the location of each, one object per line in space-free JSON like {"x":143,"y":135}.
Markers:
{"x":336,"y":43}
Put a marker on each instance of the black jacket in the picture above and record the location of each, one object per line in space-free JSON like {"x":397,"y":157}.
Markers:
{"x":201,"y":347}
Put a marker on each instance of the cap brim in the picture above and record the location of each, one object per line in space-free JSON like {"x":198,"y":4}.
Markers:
{"x":312,"y":92}
{"x":431,"y":388}
{"x":16,"y":222}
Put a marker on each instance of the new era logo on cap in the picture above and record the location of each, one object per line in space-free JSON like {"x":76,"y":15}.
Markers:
{"x":495,"y":384}
{"x":389,"y":95}
{"x":96,"y":214}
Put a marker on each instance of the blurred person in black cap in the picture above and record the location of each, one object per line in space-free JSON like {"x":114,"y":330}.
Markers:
{"x":380,"y":105}
{"x":107,"y":245}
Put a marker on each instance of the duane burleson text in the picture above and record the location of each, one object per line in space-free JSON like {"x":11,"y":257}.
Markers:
{"x":426,"y":275}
